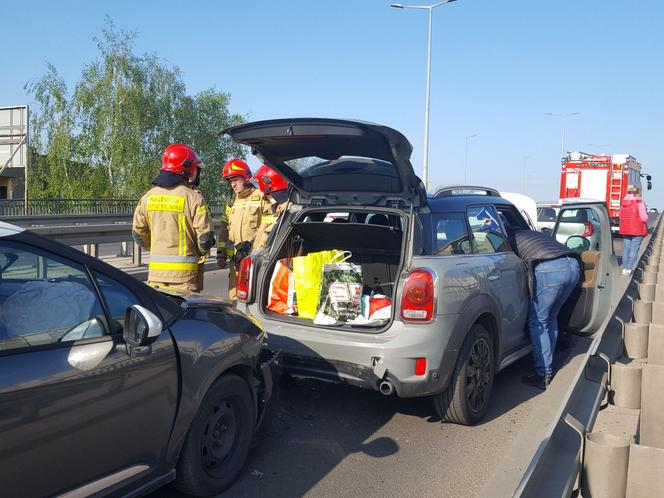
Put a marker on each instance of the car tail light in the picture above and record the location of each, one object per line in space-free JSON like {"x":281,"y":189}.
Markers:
{"x":243,"y":286}
{"x":417,"y":298}
{"x":420,"y":366}
{"x":589,"y":229}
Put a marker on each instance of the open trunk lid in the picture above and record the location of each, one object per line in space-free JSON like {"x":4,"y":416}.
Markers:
{"x":334,"y":161}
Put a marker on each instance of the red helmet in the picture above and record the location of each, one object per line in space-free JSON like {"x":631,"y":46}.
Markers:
{"x":269,"y":180}
{"x":181,"y":160}
{"x":236,"y":167}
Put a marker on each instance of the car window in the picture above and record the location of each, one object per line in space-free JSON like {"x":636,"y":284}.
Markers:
{"x":450,"y":234}
{"x":579,"y":229}
{"x":488,"y":234}
{"x":511,"y":219}
{"x":547,"y":214}
{"x":45,"y":299}
{"x":118,"y":298}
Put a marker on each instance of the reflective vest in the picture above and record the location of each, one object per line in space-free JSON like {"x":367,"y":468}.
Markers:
{"x":175,"y":225}
{"x":240,"y":221}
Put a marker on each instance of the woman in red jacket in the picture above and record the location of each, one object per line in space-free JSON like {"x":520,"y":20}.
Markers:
{"x":633,"y":227}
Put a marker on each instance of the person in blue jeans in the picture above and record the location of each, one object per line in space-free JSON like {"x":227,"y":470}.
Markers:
{"x":554,"y":272}
{"x":633,"y":227}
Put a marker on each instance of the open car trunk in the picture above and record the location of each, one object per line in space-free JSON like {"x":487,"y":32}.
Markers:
{"x":373,"y":244}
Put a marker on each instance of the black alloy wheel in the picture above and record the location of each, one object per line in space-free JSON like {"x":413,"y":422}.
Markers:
{"x":478,"y":374}
{"x":466,"y":399}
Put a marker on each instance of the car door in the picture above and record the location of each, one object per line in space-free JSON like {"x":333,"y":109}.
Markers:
{"x":75,"y":407}
{"x":591,"y":301}
{"x":504,"y":274}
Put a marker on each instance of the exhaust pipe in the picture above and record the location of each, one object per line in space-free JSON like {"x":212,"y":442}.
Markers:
{"x":386,"y":387}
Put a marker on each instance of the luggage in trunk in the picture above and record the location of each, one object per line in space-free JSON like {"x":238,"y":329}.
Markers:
{"x":376,"y":249}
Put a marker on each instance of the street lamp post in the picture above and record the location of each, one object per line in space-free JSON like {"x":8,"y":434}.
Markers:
{"x":425,"y":166}
{"x":525,"y":158}
{"x":563,"y":116}
{"x":465,"y":174}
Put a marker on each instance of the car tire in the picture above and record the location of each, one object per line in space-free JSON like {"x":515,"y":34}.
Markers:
{"x":219,"y":439}
{"x":466,"y":400}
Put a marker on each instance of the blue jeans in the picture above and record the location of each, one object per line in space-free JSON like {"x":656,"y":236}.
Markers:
{"x":631,"y":244}
{"x":554,"y":282}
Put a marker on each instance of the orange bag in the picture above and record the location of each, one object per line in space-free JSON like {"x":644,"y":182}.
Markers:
{"x":282,"y":289}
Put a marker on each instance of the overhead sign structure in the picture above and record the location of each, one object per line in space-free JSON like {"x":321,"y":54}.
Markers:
{"x":14,"y":137}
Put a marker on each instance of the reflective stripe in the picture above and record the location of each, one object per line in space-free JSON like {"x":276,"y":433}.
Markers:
{"x":203,"y":210}
{"x":247,"y":203}
{"x":182,"y":235}
{"x":157,"y":265}
{"x":269,"y":219}
{"x":150,"y":219}
{"x":172,"y":203}
{"x":167,"y":258}
{"x":221,"y":245}
{"x":230,"y":252}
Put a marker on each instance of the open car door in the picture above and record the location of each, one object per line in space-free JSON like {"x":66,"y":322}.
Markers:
{"x":584,"y":228}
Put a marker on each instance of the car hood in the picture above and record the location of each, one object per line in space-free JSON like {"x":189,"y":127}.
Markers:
{"x":192,"y":300}
{"x":335,"y":161}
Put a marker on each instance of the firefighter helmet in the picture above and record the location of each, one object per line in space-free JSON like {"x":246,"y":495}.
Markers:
{"x":181,"y":160}
{"x":269,"y":180}
{"x":236,"y":167}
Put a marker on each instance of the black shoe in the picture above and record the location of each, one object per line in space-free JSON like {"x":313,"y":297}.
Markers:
{"x":539,"y":381}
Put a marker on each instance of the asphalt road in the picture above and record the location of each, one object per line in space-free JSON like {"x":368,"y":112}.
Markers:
{"x":328,"y":439}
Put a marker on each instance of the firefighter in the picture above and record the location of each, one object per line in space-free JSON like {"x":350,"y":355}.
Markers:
{"x":173,"y":222}
{"x":275,"y":192}
{"x":240,"y":222}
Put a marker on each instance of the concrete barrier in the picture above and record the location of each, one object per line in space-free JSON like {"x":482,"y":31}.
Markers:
{"x":656,"y":344}
{"x":605,"y":466}
{"x":635,"y":338}
{"x":626,"y":385}
{"x":652,"y":408}
{"x":645,"y":478}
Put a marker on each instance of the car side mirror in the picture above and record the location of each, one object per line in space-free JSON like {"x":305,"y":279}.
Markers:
{"x":577,"y":243}
{"x":141,"y":326}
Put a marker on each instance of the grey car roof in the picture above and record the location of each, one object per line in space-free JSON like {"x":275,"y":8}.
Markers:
{"x":6,"y":229}
{"x":459,"y":203}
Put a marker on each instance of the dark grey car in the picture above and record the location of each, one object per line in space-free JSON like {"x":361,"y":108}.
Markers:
{"x":108,"y":387}
{"x":459,"y":293}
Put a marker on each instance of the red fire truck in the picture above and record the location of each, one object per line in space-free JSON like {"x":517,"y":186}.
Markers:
{"x":604,"y":177}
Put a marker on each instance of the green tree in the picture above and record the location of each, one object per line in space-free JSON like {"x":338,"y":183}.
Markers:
{"x":105,"y":139}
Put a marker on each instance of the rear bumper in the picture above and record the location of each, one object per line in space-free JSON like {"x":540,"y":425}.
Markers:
{"x":367,"y":359}
{"x":433,"y":382}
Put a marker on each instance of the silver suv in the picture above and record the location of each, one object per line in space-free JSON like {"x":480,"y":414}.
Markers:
{"x":459,"y":293}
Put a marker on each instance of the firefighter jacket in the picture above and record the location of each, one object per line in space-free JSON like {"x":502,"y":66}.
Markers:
{"x":269,"y":218}
{"x":240,"y":222}
{"x":175,"y":225}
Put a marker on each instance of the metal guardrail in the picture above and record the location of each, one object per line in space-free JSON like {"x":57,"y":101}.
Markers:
{"x":91,"y":235}
{"x":556,"y":464}
{"x":71,"y":207}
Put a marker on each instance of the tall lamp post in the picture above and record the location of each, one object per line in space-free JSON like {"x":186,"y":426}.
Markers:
{"x":425,"y":166}
{"x":525,"y":158}
{"x":563,"y":117}
{"x":465,"y":175}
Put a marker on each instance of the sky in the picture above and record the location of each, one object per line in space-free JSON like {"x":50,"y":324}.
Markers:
{"x":497,"y":68}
